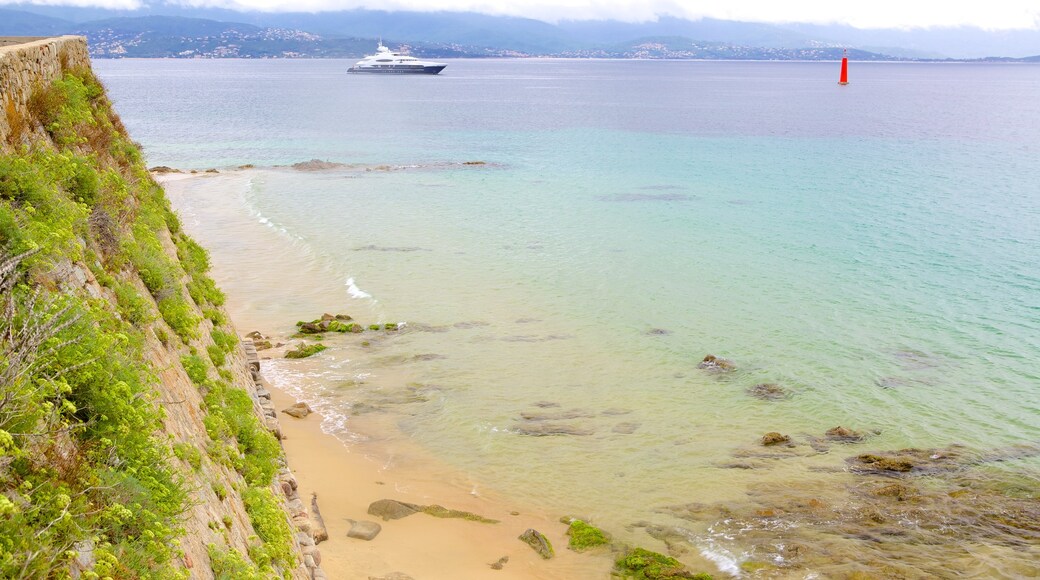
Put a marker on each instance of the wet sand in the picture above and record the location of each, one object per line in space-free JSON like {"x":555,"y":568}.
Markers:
{"x":422,"y":546}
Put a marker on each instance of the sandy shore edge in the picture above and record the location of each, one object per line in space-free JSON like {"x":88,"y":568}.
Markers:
{"x":421,"y":546}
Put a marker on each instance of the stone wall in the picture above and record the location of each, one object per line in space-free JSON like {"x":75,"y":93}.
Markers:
{"x":30,"y":61}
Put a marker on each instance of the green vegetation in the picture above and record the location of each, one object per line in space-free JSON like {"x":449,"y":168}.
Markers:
{"x":225,"y":340}
{"x":75,"y":395}
{"x":216,"y":354}
{"x":243,"y":443}
{"x":270,"y":524}
{"x":82,"y":453}
{"x":230,"y":565}
{"x":640,"y":564}
{"x":584,"y":536}
{"x":305,"y":350}
{"x":188,"y":454}
{"x":195,"y":367}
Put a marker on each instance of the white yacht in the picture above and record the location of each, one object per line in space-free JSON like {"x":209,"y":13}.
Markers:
{"x":385,"y":61}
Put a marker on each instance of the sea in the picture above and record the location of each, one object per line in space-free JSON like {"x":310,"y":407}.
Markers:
{"x":565,"y":241}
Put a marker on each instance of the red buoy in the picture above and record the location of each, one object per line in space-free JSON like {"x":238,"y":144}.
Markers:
{"x":844,"y":79}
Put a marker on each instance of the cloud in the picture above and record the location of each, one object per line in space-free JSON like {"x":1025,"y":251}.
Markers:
{"x":990,"y":15}
{"x":110,"y":4}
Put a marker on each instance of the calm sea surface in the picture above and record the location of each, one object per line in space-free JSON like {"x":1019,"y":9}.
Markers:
{"x":872,"y":249}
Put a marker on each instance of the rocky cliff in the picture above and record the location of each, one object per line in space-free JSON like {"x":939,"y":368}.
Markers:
{"x":133,"y":439}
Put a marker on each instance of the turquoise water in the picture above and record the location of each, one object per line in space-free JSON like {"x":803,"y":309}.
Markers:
{"x":874,"y":249}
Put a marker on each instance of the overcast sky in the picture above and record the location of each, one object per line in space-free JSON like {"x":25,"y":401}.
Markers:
{"x":988,"y":14}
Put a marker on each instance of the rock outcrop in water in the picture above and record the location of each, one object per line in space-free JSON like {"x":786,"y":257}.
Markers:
{"x":768,"y":392}
{"x":716,"y":364}
{"x":909,"y":513}
{"x":538,"y":542}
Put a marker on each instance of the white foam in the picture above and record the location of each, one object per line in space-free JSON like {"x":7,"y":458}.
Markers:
{"x":354,"y":291}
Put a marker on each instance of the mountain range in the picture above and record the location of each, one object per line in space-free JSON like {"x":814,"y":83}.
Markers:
{"x":170,"y":30}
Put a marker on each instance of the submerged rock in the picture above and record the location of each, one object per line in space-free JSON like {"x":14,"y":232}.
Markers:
{"x":390,"y":509}
{"x":363,"y":530}
{"x":538,"y":542}
{"x":498,"y":565}
{"x":316,"y":165}
{"x":716,"y":364}
{"x":658,"y":332}
{"x":625,"y":428}
{"x":895,"y":490}
{"x":443,"y":512}
{"x":843,"y":434}
{"x":558,"y":416}
{"x":545,"y":429}
{"x":775,"y":438}
{"x":768,"y":392}
{"x":918,"y":461}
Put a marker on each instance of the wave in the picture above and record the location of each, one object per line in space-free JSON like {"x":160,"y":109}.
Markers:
{"x":354,"y":291}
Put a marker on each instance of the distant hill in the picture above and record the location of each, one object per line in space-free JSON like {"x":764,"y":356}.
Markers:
{"x":18,"y":23}
{"x":171,"y":30}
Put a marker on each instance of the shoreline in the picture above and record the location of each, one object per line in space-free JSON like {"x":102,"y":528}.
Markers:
{"x":421,"y":546}
{"x":761,"y":521}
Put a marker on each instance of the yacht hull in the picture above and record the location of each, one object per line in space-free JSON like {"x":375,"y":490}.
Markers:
{"x":398,"y":70}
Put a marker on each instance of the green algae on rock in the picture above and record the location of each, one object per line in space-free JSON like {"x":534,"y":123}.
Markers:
{"x":584,"y":536}
{"x":305,"y":350}
{"x":643,"y":564}
{"x":443,"y":512}
{"x":538,"y":542}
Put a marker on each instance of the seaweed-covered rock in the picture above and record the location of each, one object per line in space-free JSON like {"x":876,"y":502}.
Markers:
{"x":311,"y":328}
{"x":768,"y":392}
{"x":538,"y":542}
{"x":897,"y":491}
{"x":305,"y":350}
{"x":775,"y":438}
{"x":716,"y":364}
{"x":546,"y":429}
{"x":643,"y":564}
{"x":884,"y":463}
{"x":584,"y":536}
{"x":391,"y":509}
{"x":443,"y":512}
{"x":840,"y":433}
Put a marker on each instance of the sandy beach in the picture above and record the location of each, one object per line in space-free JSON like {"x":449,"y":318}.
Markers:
{"x":421,"y":546}
{"x":348,"y":477}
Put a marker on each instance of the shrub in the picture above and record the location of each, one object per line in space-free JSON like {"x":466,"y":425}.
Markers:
{"x":216,"y":355}
{"x":271,"y":526}
{"x":225,"y":340}
{"x":195,"y":367}
{"x":189,"y":454}
{"x":230,"y":565}
{"x":178,"y":314}
{"x":131,"y":305}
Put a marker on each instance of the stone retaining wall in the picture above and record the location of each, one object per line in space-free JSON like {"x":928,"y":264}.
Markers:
{"x":34,"y":61}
